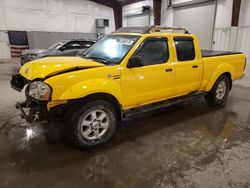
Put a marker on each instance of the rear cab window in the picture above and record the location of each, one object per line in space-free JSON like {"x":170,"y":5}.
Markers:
{"x":185,"y":49}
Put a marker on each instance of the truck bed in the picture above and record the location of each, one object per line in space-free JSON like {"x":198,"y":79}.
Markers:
{"x":212,"y":53}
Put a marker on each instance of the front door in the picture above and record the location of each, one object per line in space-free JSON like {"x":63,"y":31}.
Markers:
{"x":153,"y":81}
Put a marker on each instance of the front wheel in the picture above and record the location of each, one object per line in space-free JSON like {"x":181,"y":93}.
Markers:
{"x":93,"y":124}
{"x":219,"y":93}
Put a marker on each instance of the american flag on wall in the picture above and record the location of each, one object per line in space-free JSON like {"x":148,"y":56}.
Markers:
{"x":18,"y":42}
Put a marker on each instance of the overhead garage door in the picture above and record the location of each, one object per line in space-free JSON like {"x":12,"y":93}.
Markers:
{"x":138,"y":20}
{"x":198,"y":19}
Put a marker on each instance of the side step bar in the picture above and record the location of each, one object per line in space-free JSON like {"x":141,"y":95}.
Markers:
{"x":159,"y":105}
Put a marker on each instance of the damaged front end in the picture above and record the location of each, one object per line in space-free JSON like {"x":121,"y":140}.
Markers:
{"x":33,"y":76}
{"x":18,"y":82}
{"x":37,"y":93}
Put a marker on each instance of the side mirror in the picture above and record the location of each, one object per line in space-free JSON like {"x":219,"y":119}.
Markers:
{"x":135,"y":61}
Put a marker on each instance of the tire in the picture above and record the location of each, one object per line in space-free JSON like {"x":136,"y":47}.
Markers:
{"x":219,"y":93}
{"x":92,"y":124}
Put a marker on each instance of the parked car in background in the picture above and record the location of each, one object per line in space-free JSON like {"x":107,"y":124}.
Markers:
{"x":61,"y":48}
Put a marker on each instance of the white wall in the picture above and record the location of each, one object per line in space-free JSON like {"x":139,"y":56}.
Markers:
{"x":198,"y":19}
{"x":222,"y":21}
{"x":4,"y":41}
{"x":4,"y":46}
{"x":244,"y":19}
{"x":167,"y":14}
{"x":224,"y":13}
{"x":243,"y":42}
{"x":223,"y":18}
{"x":55,"y":15}
{"x":244,"y":28}
{"x":51,"y":16}
{"x":134,"y":8}
{"x":225,"y":36}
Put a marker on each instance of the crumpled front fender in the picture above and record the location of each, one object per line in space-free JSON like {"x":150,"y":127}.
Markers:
{"x":89,"y":87}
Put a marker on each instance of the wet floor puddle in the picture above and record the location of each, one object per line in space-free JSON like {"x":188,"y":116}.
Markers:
{"x":184,"y":146}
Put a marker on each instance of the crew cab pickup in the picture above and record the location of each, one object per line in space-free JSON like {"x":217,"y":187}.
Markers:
{"x":129,"y":71}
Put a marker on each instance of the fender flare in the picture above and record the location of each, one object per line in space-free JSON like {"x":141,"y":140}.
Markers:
{"x":220,"y":70}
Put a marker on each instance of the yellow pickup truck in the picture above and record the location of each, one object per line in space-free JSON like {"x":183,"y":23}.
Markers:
{"x":130,"y":71}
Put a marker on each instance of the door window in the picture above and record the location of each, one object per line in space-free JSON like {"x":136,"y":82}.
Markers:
{"x":72,"y":45}
{"x":184,"y":48}
{"x":85,"y":44}
{"x":154,"y":51}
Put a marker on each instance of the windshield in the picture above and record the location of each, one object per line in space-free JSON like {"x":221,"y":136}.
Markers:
{"x":111,"y":49}
{"x":57,"y":45}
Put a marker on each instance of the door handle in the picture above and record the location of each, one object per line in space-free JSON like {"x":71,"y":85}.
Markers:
{"x":169,"y":70}
{"x":195,"y":66}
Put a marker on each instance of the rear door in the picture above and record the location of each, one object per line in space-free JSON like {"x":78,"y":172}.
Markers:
{"x":188,"y":66}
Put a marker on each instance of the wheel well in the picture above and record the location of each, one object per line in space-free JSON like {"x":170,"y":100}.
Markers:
{"x":230,"y":78}
{"x":103,"y":96}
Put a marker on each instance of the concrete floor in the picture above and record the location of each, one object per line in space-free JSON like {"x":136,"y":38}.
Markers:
{"x":187,"y":145}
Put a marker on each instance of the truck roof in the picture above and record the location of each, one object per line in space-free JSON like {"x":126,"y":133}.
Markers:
{"x":148,"y":30}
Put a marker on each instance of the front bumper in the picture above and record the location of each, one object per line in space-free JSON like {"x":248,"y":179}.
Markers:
{"x":38,"y":110}
{"x":33,"y":109}
{"x":18,"y":82}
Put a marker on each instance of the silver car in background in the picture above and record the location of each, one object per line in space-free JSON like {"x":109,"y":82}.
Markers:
{"x":61,"y":48}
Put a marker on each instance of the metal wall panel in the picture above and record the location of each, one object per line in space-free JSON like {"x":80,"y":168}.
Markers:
{"x":243,"y":40}
{"x":45,"y":39}
{"x":233,"y":39}
{"x":138,"y":20}
{"x":221,"y":39}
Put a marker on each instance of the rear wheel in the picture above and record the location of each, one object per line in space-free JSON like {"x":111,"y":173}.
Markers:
{"x":219,"y":93}
{"x":92,"y":124}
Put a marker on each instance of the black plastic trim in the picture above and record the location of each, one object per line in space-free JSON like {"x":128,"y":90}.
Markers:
{"x":213,"y":53}
{"x":183,"y":38}
{"x":18,"y":82}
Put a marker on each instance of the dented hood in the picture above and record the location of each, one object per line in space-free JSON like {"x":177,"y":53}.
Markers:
{"x":50,"y":66}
